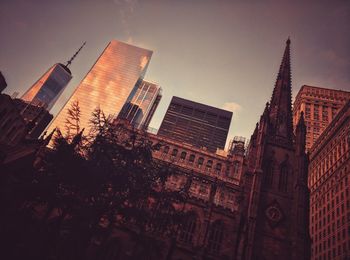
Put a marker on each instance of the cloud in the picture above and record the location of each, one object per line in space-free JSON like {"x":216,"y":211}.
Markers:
{"x":126,"y":10}
{"x":232,"y":106}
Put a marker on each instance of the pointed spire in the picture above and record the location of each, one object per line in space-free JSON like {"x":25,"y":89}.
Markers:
{"x":49,"y":137}
{"x":301,"y":122}
{"x":281,"y":101}
{"x":75,"y":54}
{"x":300,"y":135}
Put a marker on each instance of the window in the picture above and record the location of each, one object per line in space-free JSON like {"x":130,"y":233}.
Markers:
{"x":188,"y":229}
{"x":218,"y":167}
{"x":174,"y":153}
{"x":166,"y":149}
{"x":191,"y":159}
{"x":200,"y":161}
{"x":183,"y":156}
{"x":235,"y":168}
{"x":209,"y":164}
{"x":216,"y":234}
{"x":283,"y":180}
{"x":269,"y":169}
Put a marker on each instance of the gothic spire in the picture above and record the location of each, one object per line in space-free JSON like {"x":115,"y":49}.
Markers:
{"x":75,"y":54}
{"x":281,"y":101}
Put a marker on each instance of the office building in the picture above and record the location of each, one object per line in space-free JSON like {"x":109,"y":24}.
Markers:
{"x":141,"y":104}
{"x":329,"y":183}
{"x":197,"y":124}
{"x":50,"y":86}
{"x":320,"y":106}
{"x":107,"y":85}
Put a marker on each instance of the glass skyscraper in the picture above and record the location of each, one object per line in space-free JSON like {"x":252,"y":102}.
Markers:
{"x":49,"y":87}
{"x":141,"y":104}
{"x":108,"y":84}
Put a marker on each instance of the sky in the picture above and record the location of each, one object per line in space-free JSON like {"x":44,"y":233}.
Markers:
{"x":221,"y":53}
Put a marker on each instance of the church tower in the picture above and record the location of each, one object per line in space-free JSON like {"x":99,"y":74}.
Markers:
{"x":277,"y":220}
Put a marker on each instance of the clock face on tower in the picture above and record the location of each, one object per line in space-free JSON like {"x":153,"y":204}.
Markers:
{"x":274,"y":214}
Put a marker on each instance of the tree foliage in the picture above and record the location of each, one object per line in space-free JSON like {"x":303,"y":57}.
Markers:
{"x":81,"y":194}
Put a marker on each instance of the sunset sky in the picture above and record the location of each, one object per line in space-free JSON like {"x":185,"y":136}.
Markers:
{"x":221,"y":53}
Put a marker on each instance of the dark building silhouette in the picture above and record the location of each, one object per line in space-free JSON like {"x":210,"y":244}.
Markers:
{"x":277,"y":210}
{"x":3,"y":83}
{"x":12,"y":125}
{"x":196,"y":124}
{"x":37,"y":118}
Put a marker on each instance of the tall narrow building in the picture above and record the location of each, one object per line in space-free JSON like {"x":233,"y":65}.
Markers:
{"x":277,"y":217}
{"x":49,"y":87}
{"x":320,"y":106}
{"x":141,"y":104}
{"x":107,"y":85}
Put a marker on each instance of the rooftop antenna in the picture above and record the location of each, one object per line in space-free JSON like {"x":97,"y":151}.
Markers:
{"x":75,"y":54}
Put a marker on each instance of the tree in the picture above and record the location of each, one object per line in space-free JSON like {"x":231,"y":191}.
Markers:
{"x":82,"y":193}
{"x":72,"y":122}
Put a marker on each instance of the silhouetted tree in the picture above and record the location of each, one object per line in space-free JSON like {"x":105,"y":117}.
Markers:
{"x":82,"y":193}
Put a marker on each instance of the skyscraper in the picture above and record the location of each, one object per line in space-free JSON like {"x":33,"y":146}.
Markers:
{"x":320,"y":106}
{"x":196,"y":124}
{"x":108,"y":84}
{"x":141,"y":104}
{"x":329,"y":183}
{"x":50,"y":86}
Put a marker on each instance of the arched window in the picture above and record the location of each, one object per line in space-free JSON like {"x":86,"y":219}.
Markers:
{"x":283,"y":180}
{"x":166,"y":149}
{"x":209,"y":165}
{"x":183,"y":156}
{"x":191,"y":159}
{"x":216,"y":235}
{"x":218,"y":167}
{"x":174,"y":153}
{"x":269,"y":169}
{"x":188,"y":229}
{"x":235,"y":168}
{"x":200,"y":162}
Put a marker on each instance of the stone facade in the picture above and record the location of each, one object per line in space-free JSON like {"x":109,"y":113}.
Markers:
{"x":320,"y":106}
{"x":329,"y":182}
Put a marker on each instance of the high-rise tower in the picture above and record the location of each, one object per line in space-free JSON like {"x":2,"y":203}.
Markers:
{"x":107,"y":85}
{"x":49,"y":87}
{"x":196,"y":124}
{"x":141,"y":104}
{"x":320,"y":106}
{"x":277,"y":221}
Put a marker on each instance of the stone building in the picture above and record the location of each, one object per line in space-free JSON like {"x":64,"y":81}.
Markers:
{"x":320,"y":106}
{"x":329,"y":182}
{"x":215,"y":192}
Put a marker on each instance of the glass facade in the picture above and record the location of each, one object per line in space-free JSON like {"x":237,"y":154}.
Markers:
{"x":141,"y":104}
{"x":196,"y":124}
{"x":49,"y":87}
{"x":108,"y":84}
